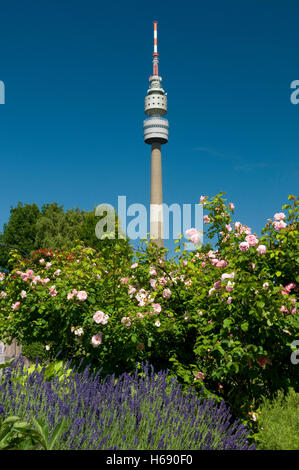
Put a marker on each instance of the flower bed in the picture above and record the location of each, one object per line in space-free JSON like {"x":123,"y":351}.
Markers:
{"x":145,"y":410}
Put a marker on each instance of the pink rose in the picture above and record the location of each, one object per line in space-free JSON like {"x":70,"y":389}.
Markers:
{"x":195,"y":238}
{"x":203,"y":264}
{"x":157,"y":308}
{"x":23,"y":294}
{"x":166,"y":293}
{"x":229,"y":300}
{"x":244,"y":246}
{"x":217,"y":285}
{"x":96,"y":340}
{"x":231,"y":206}
{"x":279,"y":216}
{"x":152,"y":272}
{"x":134,"y":265}
{"x":279,"y":225}
{"x":251,"y":240}
{"x":261,"y":249}
{"x":214,"y":261}
{"x":52,"y":291}
{"x":199,"y":375}
{"x":230,"y":286}
{"x":221,"y":264}
{"x":82,"y":295}
{"x":227,"y":276}
{"x":16,"y":305}
{"x":206,"y":219}
{"x":100,"y":317}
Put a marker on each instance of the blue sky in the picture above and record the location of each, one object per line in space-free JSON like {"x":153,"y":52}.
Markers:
{"x":76,"y":74}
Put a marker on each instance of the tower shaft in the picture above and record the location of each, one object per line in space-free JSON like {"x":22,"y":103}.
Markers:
{"x":156,"y":208}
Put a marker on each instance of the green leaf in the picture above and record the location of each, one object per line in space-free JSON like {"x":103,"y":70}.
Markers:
{"x":278,"y":273}
{"x":244,"y":326}
{"x":57,"y":433}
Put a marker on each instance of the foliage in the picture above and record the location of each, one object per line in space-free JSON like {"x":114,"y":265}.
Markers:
{"x":145,"y":410}
{"x":222,"y":320}
{"x":34,"y":350}
{"x":16,"y":434}
{"x":30,"y":228}
{"x":278,"y":423}
{"x":19,"y":230}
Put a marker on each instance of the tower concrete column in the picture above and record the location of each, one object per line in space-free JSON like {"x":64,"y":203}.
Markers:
{"x":156,"y":207}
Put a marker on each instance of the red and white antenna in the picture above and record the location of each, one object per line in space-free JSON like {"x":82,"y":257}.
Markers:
{"x":155,"y":54}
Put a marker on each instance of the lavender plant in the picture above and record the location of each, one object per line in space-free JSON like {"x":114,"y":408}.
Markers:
{"x":145,"y":410}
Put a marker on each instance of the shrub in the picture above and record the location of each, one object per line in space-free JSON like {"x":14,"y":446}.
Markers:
{"x":34,"y":350}
{"x":278,"y":423}
{"x":223,"y":319}
{"x":145,"y":410}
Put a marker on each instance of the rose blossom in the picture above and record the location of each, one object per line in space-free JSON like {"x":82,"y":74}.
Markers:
{"x":153,"y":283}
{"x":126,"y":321}
{"x":157,"y":323}
{"x":230,"y":286}
{"x":251,"y":240}
{"x":100,"y":317}
{"x":229,"y":300}
{"x":52,"y":291}
{"x":279,"y":216}
{"x":228,"y":227}
{"x":16,"y":305}
{"x":82,"y":295}
{"x":162,"y":281}
{"x":265,"y":285}
{"x":2,"y":276}
{"x":231,"y":206}
{"x":3,"y":294}
{"x":79,"y":332}
{"x":191,"y":231}
{"x":227,"y":276}
{"x":152,"y":271}
{"x":166,"y":293}
{"x":124,"y":280}
{"x":41,"y":261}
{"x":214,"y":261}
{"x":206,"y":219}
{"x":261,"y":249}
{"x":198,"y":375}
{"x":279,"y":225}
{"x":217,"y":285}
{"x":244,"y":246}
{"x":139,"y":315}
{"x":203,"y":264}
{"x":47,"y":347}
{"x":134,"y":265}
{"x":57,"y":272}
{"x":48,"y":265}
{"x":157,"y":308}
{"x":221,"y":264}
{"x":96,"y":340}
{"x":203,"y":199}
{"x":23,"y":294}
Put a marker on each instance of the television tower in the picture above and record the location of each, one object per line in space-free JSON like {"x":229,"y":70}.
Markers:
{"x":155,"y":131}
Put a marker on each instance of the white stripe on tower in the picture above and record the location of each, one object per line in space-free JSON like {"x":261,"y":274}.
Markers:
{"x":155,"y":38}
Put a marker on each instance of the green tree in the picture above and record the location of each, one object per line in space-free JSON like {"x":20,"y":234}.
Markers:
{"x":19,"y":231}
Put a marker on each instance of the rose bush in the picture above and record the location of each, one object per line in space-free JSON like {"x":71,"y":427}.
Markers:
{"x":223,"y":319}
